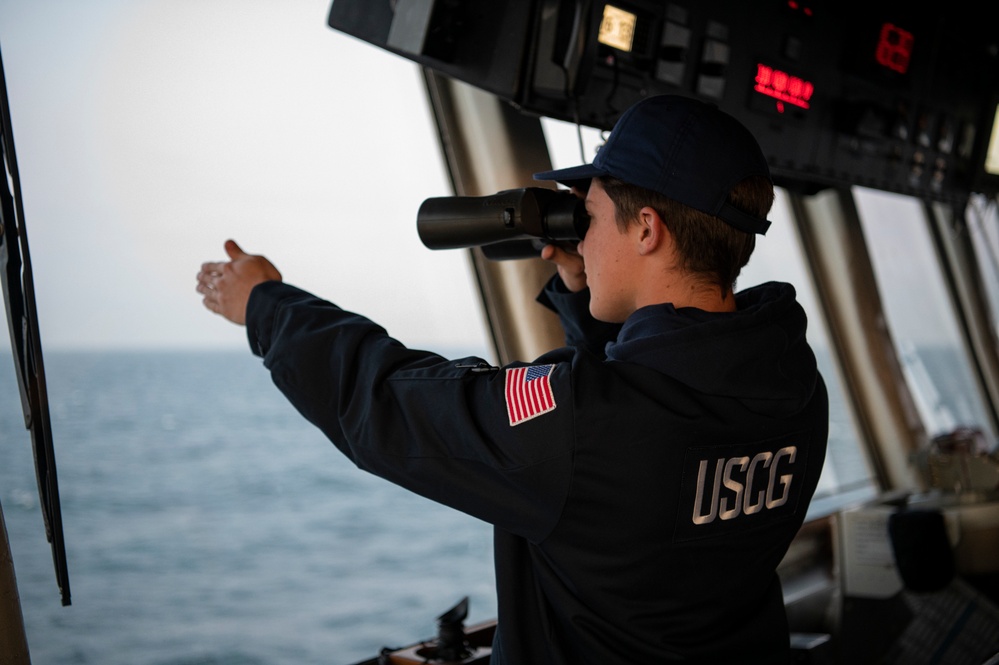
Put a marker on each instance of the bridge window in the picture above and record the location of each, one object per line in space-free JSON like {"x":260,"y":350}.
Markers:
{"x":920,"y":314}
{"x":778,"y":256}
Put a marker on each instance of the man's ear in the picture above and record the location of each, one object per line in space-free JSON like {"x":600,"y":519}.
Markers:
{"x":651,"y":231}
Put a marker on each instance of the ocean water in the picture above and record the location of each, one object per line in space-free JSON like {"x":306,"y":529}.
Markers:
{"x":207,"y":523}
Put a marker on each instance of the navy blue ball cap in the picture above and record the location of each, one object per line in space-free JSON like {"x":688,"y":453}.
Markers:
{"x":687,"y":150}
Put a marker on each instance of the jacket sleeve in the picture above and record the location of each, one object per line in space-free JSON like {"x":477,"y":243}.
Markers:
{"x":573,"y":310}
{"x":439,"y":427}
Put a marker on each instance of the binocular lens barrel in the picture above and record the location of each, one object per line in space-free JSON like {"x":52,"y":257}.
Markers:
{"x":513,"y":215}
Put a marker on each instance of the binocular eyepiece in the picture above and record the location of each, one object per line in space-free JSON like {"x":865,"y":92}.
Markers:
{"x":512,"y":224}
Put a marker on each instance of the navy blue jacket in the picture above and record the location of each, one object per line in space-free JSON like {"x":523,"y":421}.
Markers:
{"x":644,"y":481}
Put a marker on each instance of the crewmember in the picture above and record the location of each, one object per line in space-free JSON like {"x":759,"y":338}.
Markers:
{"x":645,"y":480}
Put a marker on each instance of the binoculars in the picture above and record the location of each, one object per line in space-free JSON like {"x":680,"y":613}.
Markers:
{"x":512,"y":224}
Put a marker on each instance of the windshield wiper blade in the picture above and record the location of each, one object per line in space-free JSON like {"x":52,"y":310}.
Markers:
{"x":22,"y":320}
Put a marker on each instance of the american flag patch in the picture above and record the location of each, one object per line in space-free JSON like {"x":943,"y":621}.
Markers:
{"x":528,"y":392}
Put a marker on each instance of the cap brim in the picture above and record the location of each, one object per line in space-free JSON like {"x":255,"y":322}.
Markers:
{"x":572,"y":175}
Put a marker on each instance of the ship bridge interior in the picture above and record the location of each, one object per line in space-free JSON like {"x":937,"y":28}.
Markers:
{"x":879,"y":122}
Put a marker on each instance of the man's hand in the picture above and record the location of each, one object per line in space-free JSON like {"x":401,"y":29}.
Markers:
{"x":570,"y":266}
{"x":568,"y":261}
{"x":226,"y":286}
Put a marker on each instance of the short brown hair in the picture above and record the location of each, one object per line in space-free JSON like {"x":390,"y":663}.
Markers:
{"x":707,"y":246}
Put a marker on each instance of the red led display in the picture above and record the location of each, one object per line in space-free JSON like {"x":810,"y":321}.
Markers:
{"x":894,"y":48}
{"x":782,"y":86}
{"x":796,"y":6}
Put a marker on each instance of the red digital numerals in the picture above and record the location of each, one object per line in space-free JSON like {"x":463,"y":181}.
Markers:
{"x":894,"y":48}
{"x":782,"y":86}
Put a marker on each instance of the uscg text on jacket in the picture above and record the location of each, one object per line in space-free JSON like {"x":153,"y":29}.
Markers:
{"x":738,"y":487}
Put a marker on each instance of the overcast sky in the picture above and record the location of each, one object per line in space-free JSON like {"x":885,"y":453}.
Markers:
{"x":149,"y":132}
